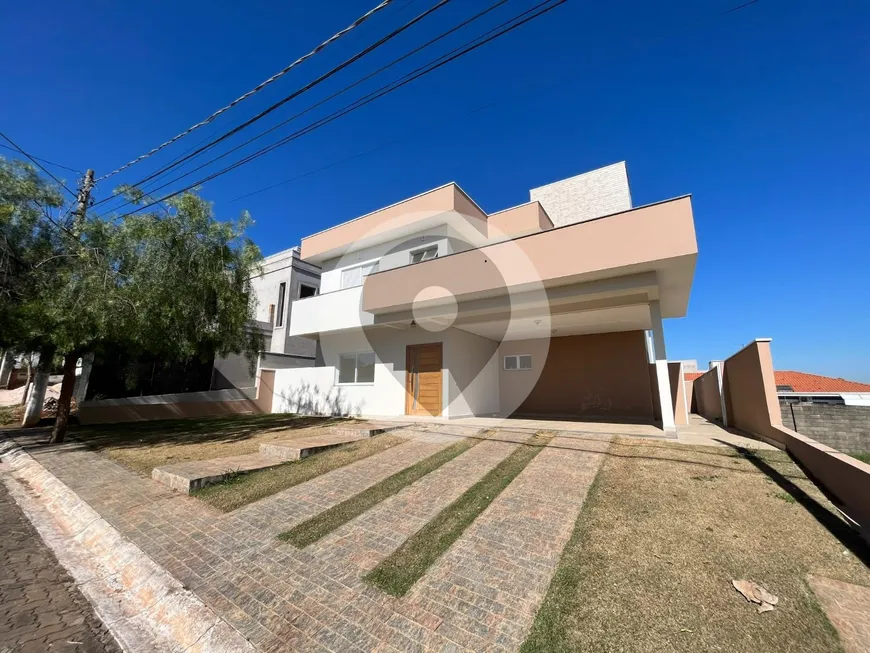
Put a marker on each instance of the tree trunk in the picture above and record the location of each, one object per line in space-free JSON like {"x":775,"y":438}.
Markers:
{"x":7,"y":364}
{"x":66,"y":393}
{"x":33,"y":411}
{"x":29,"y":363}
{"x":82,"y":380}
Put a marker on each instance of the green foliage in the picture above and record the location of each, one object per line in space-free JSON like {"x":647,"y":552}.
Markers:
{"x":174,"y":284}
{"x":28,"y":247}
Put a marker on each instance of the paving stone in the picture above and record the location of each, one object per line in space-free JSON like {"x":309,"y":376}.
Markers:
{"x":40,"y":607}
{"x":482,"y":594}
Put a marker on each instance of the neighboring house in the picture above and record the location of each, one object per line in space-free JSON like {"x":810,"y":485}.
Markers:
{"x":284,"y":279}
{"x":801,"y":387}
{"x":433,"y":307}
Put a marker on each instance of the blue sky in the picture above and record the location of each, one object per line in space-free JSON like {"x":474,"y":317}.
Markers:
{"x":762,"y":115}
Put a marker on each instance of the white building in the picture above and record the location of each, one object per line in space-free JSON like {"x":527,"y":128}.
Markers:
{"x":432,"y":307}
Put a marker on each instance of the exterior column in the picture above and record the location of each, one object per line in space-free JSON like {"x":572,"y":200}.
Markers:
{"x":661,"y":362}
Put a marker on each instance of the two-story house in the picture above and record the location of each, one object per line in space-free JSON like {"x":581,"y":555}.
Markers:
{"x":285,"y":279}
{"x":432,"y":307}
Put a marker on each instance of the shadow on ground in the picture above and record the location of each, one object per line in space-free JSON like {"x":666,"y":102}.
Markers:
{"x":832,"y":522}
{"x":234,"y":428}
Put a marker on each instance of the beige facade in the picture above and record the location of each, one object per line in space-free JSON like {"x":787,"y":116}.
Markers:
{"x":553,"y":317}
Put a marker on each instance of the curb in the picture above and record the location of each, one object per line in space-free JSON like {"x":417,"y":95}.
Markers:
{"x":144,"y":607}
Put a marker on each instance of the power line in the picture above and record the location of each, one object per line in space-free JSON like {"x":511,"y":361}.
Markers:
{"x":452,"y":118}
{"x":296,"y":93}
{"x":51,"y":163}
{"x":345,"y":89}
{"x":38,"y":164}
{"x":254,"y":90}
{"x":358,"y":104}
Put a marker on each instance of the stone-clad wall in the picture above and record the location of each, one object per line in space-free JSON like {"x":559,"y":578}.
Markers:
{"x":846,"y":428}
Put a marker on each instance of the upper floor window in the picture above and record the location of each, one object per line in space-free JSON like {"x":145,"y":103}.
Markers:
{"x":307,"y":291}
{"x":352,"y":277}
{"x":421,"y":255}
{"x":282,"y":290}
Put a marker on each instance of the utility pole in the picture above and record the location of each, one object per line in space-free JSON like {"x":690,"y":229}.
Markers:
{"x":83,"y":200}
{"x":36,"y":398}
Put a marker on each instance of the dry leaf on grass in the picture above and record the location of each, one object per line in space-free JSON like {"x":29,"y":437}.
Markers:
{"x":755,"y":593}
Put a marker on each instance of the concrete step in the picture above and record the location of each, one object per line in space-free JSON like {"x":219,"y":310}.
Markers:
{"x":189,"y":476}
{"x":302,"y":448}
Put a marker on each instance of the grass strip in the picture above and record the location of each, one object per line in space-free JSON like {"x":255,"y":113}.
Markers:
{"x":247,"y":488}
{"x":320,"y":525}
{"x":398,"y":573}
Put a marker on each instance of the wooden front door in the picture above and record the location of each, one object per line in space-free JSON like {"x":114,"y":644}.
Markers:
{"x":423,"y":379}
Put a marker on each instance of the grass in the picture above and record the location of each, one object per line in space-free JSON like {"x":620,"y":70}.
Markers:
{"x":398,"y":572}
{"x":142,"y":446}
{"x":653,"y":552}
{"x":238,"y":490}
{"x":315,"y":528}
{"x":10,"y":415}
{"x":863,"y":457}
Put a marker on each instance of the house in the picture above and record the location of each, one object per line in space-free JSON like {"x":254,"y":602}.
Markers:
{"x":284,"y":279}
{"x":432,"y":307}
{"x":802,"y":387}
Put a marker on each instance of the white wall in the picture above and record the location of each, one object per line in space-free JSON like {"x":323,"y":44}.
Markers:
{"x":392,"y":254}
{"x":515,"y":385}
{"x":467,"y":366}
{"x":472,"y":363}
{"x":341,"y":309}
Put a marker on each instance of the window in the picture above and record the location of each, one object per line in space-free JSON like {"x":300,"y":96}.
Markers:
{"x":282,"y":289}
{"x":784,"y":388}
{"x":518,"y":362}
{"x":353,"y":277}
{"x":306,"y":291}
{"x":424,"y":254}
{"x":356,"y":368}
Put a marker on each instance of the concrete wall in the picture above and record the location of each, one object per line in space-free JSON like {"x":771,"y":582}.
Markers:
{"x":689,"y":390}
{"x":752,"y":406}
{"x":846,"y":428}
{"x":706,"y":395}
{"x":586,"y":196}
{"x":597,"y":376}
{"x":181,"y":406}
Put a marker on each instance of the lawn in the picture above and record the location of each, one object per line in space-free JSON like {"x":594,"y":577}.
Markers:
{"x":663,"y":533}
{"x":863,"y":457}
{"x":247,"y":488}
{"x":10,"y":415}
{"x":142,"y":446}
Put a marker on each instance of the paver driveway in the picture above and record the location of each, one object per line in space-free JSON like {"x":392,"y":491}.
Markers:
{"x":481,"y":595}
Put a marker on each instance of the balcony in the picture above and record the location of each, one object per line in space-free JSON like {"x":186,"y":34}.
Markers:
{"x":332,"y":311}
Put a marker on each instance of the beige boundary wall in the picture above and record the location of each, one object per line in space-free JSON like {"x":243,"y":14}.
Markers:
{"x":177,"y":406}
{"x":751,"y":405}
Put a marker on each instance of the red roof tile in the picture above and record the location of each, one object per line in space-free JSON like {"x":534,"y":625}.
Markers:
{"x":803,"y":382}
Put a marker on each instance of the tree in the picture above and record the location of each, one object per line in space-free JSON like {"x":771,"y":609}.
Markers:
{"x":174,"y":284}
